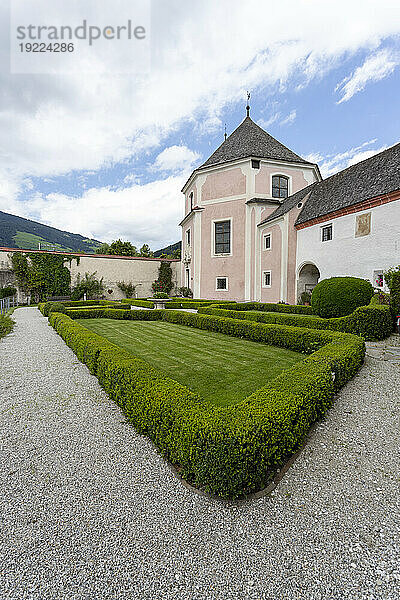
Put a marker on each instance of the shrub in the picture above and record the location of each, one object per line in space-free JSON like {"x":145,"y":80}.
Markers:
{"x":340,"y":296}
{"x":164,"y":282}
{"x":370,"y":322}
{"x":185,"y":292}
{"x":137,"y":302}
{"x":266,"y":307}
{"x":380,"y":298}
{"x":6,"y":292}
{"x":305,"y":298}
{"x":126,"y":288}
{"x":160,"y":295}
{"x":227,"y":451}
{"x":89,"y":285}
{"x":47,"y":307}
{"x":57,"y":307}
{"x":392,"y":278}
{"x":6,"y":325}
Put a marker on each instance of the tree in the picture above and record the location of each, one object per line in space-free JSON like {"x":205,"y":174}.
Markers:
{"x":164,"y":281}
{"x":42,"y":275}
{"x":121,"y":248}
{"x":89,"y":285}
{"x":103,"y":249}
{"x":145,"y":251}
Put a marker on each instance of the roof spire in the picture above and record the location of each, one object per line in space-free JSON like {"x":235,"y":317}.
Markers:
{"x":225,"y":136}
{"x":248,"y":106}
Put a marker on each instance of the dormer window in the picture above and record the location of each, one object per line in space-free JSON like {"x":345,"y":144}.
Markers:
{"x":280,"y":186}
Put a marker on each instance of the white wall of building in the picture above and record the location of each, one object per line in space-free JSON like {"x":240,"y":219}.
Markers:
{"x":347,"y":255}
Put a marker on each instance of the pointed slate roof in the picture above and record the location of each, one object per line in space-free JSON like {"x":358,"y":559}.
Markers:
{"x":250,"y":140}
{"x":379,"y":174}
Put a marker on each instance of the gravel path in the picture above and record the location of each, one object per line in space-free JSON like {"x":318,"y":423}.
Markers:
{"x":90,"y":511}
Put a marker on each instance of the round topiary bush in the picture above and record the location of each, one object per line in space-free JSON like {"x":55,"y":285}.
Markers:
{"x":340,"y":296}
{"x":56,"y":307}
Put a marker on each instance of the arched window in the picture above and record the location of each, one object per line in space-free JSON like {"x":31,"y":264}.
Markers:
{"x":280,"y":186}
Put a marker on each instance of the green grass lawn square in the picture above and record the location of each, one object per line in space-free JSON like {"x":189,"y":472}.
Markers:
{"x":221,"y":368}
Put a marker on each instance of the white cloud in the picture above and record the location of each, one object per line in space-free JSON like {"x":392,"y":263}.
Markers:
{"x":176,"y":159}
{"x":290,"y":118}
{"x":375,"y":67}
{"x":147,"y":213}
{"x":205,"y":55}
{"x":277,"y":117}
{"x":332,"y":163}
{"x":265,"y":123}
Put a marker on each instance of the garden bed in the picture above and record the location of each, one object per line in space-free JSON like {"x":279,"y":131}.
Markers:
{"x":190,"y":356}
{"x":229,"y":451}
{"x":372,"y":322}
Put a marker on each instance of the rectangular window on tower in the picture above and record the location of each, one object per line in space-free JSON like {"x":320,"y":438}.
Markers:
{"x":221,"y":284}
{"x":222,"y":237}
{"x":188,"y":237}
{"x":267,"y":241}
{"x":266,"y":279}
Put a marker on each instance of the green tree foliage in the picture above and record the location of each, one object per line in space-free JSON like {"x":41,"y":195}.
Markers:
{"x":103,"y":249}
{"x":42,"y":275}
{"x":340,"y":296}
{"x":89,"y":285}
{"x":8,"y":291}
{"x":121,"y":248}
{"x":145,"y":251}
{"x":164,"y":282}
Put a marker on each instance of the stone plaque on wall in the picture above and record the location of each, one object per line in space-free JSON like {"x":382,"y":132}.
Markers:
{"x":363,"y":224}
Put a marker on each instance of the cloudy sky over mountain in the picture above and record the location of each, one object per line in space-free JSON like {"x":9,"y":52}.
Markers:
{"x":106,"y":154}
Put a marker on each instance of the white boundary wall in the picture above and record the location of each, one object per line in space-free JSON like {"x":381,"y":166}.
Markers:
{"x":141,"y":272}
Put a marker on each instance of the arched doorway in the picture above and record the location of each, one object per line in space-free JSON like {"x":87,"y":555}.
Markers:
{"x":307,"y":279}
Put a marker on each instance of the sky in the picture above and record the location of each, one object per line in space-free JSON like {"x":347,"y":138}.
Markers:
{"x":105,"y":154}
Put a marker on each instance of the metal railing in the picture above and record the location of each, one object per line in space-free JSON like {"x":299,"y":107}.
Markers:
{"x":7,"y":303}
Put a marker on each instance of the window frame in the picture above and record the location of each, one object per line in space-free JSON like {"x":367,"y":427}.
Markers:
{"x":289,"y":186}
{"x":263,"y":284}
{"x":322,"y":228}
{"x":225,"y":289}
{"x":188,"y":236}
{"x":214,"y":222}
{"x":265,"y":236}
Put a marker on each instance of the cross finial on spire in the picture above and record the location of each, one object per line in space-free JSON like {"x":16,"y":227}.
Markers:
{"x":225,"y":136}
{"x":248,"y":106}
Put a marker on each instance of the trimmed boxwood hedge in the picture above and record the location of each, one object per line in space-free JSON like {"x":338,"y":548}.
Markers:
{"x":174,"y":304}
{"x":267,"y":307}
{"x":372,"y":322}
{"x":6,"y":325}
{"x":228,"y":451}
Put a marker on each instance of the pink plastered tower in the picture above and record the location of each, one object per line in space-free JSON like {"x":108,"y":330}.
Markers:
{"x":236,"y":244}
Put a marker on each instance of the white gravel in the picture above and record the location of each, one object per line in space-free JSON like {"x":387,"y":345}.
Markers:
{"x":90,"y":511}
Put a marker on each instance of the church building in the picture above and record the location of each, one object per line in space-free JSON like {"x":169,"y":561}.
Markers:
{"x":262,"y":225}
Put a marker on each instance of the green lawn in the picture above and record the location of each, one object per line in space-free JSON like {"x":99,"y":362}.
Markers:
{"x":222,"y":369}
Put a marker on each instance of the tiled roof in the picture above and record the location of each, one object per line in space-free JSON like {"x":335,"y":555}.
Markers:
{"x":372,"y":177}
{"x":250,"y":140}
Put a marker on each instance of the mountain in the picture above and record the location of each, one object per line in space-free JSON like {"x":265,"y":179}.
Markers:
{"x":17,"y":232}
{"x":169,"y":249}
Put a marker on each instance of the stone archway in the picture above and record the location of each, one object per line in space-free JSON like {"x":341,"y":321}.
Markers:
{"x":307,"y":278}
